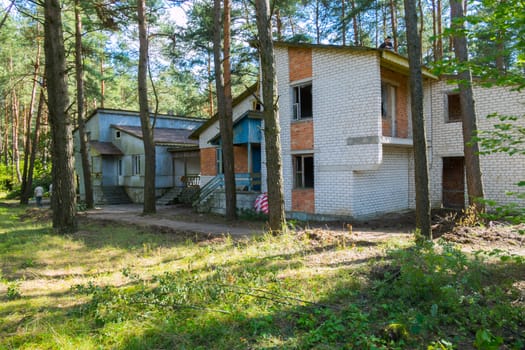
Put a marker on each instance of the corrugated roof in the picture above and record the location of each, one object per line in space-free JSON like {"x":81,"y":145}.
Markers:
{"x":163,"y":136}
{"x":106,"y":148}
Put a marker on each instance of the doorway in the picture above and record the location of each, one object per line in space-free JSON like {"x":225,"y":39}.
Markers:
{"x":453,"y":182}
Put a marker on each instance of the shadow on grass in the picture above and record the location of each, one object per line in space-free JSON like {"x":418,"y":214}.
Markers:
{"x":357,"y":315}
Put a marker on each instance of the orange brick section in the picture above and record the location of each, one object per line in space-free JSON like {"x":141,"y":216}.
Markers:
{"x":401,"y":102}
{"x":302,"y":135}
{"x":209,"y":161}
{"x":240,"y":154}
{"x":299,"y":63}
{"x":303,"y":200}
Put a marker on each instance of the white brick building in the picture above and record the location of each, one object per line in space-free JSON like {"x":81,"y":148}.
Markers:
{"x":346,"y":134}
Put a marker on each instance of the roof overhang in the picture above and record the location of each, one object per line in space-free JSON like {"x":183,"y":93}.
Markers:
{"x":398,"y":63}
{"x":105,"y":148}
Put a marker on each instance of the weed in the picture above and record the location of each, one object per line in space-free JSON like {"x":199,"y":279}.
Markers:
{"x":485,"y":340}
{"x":472,"y":216}
{"x":13,"y":291}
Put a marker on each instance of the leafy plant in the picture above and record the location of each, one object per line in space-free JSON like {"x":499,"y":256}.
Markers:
{"x":13,"y":291}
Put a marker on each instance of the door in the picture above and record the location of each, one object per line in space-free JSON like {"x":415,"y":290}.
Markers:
{"x":256,"y":166}
{"x":454,"y":182}
{"x":109,"y":171}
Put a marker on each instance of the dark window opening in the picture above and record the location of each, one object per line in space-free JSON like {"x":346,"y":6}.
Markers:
{"x":304,"y":171}
{"x":454,"y":108}
{"x":303,"y":107}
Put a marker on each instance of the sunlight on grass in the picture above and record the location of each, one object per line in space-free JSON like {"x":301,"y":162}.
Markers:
{"x":120,"y":287}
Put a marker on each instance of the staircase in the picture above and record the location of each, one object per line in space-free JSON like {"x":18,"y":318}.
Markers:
{"x":170,"y":197}
{"x":114,"y":195}
{"x":179,"y":195}
{"x":201,"y":202}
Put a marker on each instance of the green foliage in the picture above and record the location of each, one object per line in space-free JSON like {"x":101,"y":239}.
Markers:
{"x":126,"y":287}
{"x":252,"y":215}
{"x":485,"y":340}
{"x":13,"y":291}
{"x":438,"y":289}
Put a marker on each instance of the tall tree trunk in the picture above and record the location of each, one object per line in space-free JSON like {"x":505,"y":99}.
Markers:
{"x":227,"y":131}
{"x":393,"y":19}
{"x":439,"y":30}
{"x":471,"y":149}
{"x":317,"y":22}
{"x":14,"y":146}
{"x":279,"y":24}
{"x":500,"y":53}
{"x":28,"y":149}
{"x":86,"y":168}
{"x":64,"y":206}
{"x":102,"y":82}
{"x":147,"y":129}
{"x":36,"y":136}
{"x":421,"y":25}
{"x":224,"y":109}
{"x":423,"y":219}
{"x":343,"y":22}
{"x":274,"y":175}
{"x":210,"y":89}
{"x":356,"y":24}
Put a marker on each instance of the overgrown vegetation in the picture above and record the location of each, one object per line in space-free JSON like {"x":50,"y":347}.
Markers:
{"x":118,"y":287}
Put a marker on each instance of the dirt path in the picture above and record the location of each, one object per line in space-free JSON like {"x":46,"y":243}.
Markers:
{"x":173,"y":219}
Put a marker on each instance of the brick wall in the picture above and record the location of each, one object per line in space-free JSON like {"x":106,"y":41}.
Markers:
{"x":303,"y":200}
{"x":500,"y":171}
{"x":302,"y":135}
{"x":240,"y":154}
{"x":300,"y":63}
{"x":401,"y":83}
{"x":209,"y":161}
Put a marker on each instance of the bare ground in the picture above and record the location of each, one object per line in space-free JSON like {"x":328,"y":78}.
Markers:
{"x":180,"y":219}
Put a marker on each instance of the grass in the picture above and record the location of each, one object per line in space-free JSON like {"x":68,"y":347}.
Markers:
{"x":117,"y":287}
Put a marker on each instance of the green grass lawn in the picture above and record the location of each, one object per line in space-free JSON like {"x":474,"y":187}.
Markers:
{"x":116,"y":287}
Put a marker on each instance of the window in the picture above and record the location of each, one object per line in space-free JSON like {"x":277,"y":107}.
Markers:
{"x":302,"y":102}
{"x":135,"y":164}
{"x":119,"y":167}
{"x":388,"y":101}
{"x":304,"y":171}
{"x":453,"y":108}
{"x":256,"y":106}
{"x":220,"y":165}
{"x":117,"y":134}
{"x":88,"y":136}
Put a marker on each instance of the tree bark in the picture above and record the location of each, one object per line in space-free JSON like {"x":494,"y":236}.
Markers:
{"x":393,"y":20}
{"x":147,"y":129}
{"x":224,"y":108}
{"x":26,"y":191}
{"x":34,"y":142}
{"x":64,"y":205}
{"x":471,"y":149}
{"x":343,"y":22}
{"x":274,"y":176}
{"x":423,"y":218}
{"x":86,"y":168}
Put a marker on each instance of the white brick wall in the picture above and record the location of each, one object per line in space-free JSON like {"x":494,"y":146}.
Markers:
{"x":500,"y":171}
{"x":366,"y":179}
{"x":385,"y":189}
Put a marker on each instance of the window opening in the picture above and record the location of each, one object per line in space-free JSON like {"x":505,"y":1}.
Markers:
{"x":454,"y":108}
{"x":302,"y":98}
{"x":304,"y":171}
{"x":119,"y":167}
{"x":135,"y":164}
{"x":220,"y":165}
{"x":388,"y":106}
